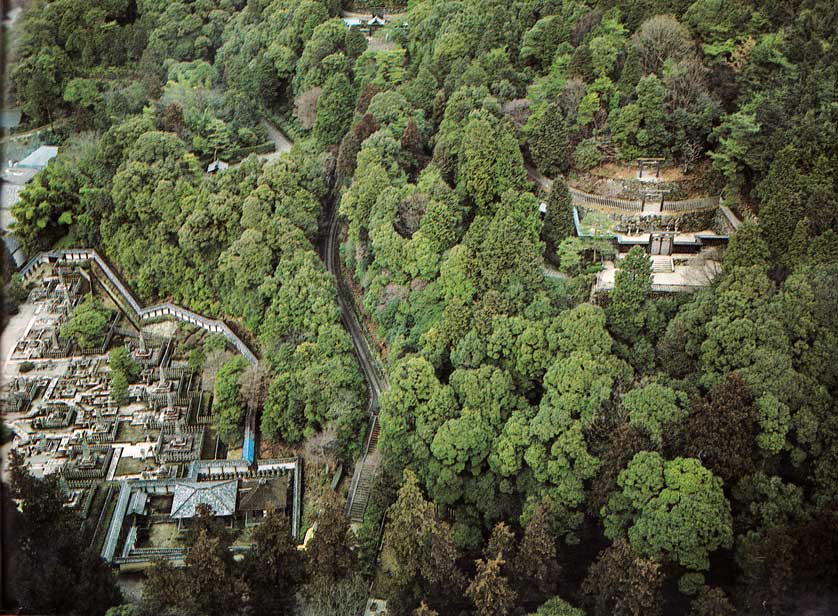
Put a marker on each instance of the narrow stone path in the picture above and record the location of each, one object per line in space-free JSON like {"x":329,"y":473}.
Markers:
{"x":281,"y":141}
{"x":550,"y":272}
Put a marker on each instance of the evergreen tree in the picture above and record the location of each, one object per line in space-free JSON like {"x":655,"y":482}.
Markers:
{"x":501,"y":543}
{"x":55,"y":570}
{"x":746,"y":247}
{"x":621,"y":583}
{"x":274,"y":569}
{"x":674,"y":509}
{"x":410,"y":516}
{"x":549,"y":141}
{"x":331,"y":555}
{"x":711,"y":602}
{"x":723,"y":429}
{"x":558,"y":221}
{"x":347,"y":153}
{"x":334,"y":110}
{"x":423,"y":550}
{"x":411,"y":143}
{"x":120,"y":359}
{"x":558,"y":607}
{"x":119,"y":388}
{"x":536,"y":566}
{"x":211,"y":582}
{"x":490,"y":162}
{"x":424,"y":610}
{"x":490,"y":591}
{"x":632,"y":284}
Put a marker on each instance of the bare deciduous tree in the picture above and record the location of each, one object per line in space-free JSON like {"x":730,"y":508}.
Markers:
{"x":212,"y":364}
{"x":690,"y":154}
{"x":305,"y":107}
{"x":253,"y":384}
{"x":322,"y":449}
{"x":347,"y":597}
{"x":659,"y":38}
{"x":686,"y":85}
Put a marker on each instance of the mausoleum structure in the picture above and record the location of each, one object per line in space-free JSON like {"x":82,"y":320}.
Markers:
{"x":656,"y":209}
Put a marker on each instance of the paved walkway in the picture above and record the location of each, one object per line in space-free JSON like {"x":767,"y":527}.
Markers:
{"x":536,"y":176}
{"x":282,"y":144}
{"x":117,"y":454}
{"x":550,"y":272}
{"x":698,"y":274}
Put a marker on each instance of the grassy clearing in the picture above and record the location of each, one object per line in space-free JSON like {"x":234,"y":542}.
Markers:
{"x":129,"y":466}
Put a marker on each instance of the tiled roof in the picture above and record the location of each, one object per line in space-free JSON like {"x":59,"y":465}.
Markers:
{"x":217,"y":165}
{"x":138,"y":502}
{"x":220,"y":495}
{"x":264,"y":495}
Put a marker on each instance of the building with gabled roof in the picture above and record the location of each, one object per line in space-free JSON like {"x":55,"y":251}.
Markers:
{"x":40,"y":157}
{"x":239,"y":493}
{"x":259,"y":497}
{"x":189,"y":495}
{"x":216,"y":166}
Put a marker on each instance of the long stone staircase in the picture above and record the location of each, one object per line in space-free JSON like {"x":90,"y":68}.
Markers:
{"x":365,"y":473}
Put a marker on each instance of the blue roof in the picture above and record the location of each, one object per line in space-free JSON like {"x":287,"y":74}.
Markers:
{"x":40,"y":157}
{"x":249,"y":449}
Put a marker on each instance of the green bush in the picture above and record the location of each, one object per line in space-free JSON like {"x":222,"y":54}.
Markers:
{"x":88,"y":323}
{"x":26,"y":366}
{"x":587,"y":155}
{"x":121,"y":361}
{"x":690,"y":583}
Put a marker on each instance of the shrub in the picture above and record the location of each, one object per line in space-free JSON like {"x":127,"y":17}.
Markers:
{"x":587,"y":155}
{"x":87,"y":324}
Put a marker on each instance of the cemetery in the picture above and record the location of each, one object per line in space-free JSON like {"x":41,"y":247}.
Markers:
{"x":139,"y":459}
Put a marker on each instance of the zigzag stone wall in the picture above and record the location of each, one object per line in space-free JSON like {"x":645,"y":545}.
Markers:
{"x":158,"y":311}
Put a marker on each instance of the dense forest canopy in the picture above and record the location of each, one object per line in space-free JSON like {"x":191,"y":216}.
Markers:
{"x":541,"y":454}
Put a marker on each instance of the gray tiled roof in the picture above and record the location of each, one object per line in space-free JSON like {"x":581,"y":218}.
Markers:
{"x":220,"y":495}
{"x":138,"y":502}
{"x":264,"y":495}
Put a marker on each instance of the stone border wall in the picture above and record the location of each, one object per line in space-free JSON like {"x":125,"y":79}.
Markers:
{"x":727,"y":221}
{"x":684,"y":222}
{"x":579,"y":198}
{"x":158,"y":311}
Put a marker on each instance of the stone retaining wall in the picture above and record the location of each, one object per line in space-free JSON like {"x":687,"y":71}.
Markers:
{"x":683,"y":222}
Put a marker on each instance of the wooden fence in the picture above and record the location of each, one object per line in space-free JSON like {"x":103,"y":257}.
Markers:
{"x":578,"y":197}
{"x":690,"y":205}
